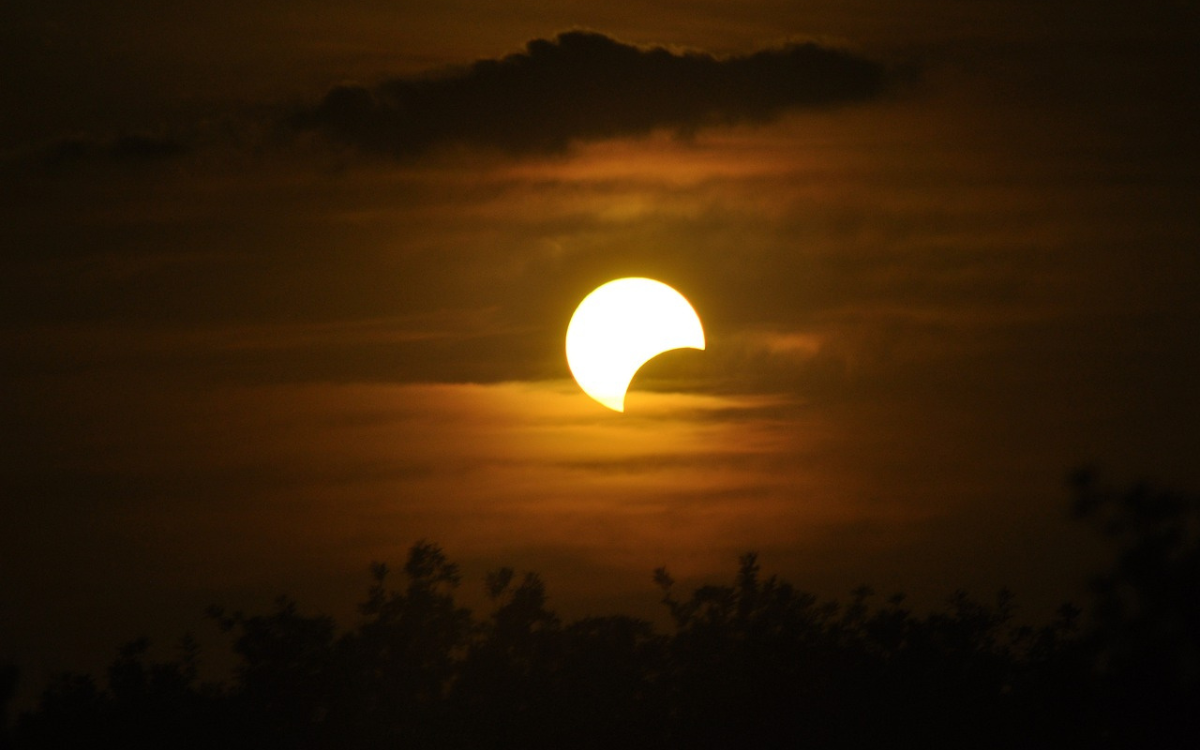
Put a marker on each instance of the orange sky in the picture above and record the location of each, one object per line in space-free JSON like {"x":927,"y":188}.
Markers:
{"x":255,"y":365}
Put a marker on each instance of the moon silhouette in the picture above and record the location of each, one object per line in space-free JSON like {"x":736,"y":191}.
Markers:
{"x":621,"y":326}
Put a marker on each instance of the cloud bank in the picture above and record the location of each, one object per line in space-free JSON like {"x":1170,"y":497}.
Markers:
{"x":586,"y":86}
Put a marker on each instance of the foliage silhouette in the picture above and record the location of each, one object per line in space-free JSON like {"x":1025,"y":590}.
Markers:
{"x":1146,"y":636}
{"x":753,"y":663}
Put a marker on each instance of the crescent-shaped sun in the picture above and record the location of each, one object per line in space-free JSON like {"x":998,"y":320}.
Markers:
{"x":622,"y":325}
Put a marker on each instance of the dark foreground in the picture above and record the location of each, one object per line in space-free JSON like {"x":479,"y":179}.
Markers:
{"x":756,"y":664}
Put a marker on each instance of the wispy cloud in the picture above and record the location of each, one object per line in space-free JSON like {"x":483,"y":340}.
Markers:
{"x":124,"y":148}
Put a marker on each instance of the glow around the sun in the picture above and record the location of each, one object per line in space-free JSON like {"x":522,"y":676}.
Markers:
{"x":622,"y":325}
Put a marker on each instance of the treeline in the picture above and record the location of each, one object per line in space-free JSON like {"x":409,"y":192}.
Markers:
{"x":756,"y":664}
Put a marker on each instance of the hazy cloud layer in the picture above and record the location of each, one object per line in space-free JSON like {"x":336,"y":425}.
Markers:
{"x":586,"y":86}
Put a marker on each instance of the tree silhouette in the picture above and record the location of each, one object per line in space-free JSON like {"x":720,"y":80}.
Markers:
{"x":1146,"y":611}
{"x":756,"y":662}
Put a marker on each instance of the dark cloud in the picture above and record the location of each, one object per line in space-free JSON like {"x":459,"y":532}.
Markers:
{"x":126,"y":148}
{"x":584,"y":86}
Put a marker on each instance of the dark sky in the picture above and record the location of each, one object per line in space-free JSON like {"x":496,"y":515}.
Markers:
{"x":284,"y":290}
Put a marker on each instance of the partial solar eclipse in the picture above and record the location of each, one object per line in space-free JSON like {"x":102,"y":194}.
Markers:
{"x":621,"y":326}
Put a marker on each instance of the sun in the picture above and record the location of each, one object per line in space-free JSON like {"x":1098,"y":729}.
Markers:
{"x":622,"y":325}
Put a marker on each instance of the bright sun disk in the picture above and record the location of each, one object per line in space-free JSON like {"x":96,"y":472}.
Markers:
{"x":622,"y":325}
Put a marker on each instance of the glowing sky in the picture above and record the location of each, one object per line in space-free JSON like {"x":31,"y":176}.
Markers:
{"x":274,"y":303}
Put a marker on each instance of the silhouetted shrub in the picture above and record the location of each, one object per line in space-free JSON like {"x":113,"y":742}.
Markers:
{"x":757,"y":663}
{"x":1146,"y":612}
